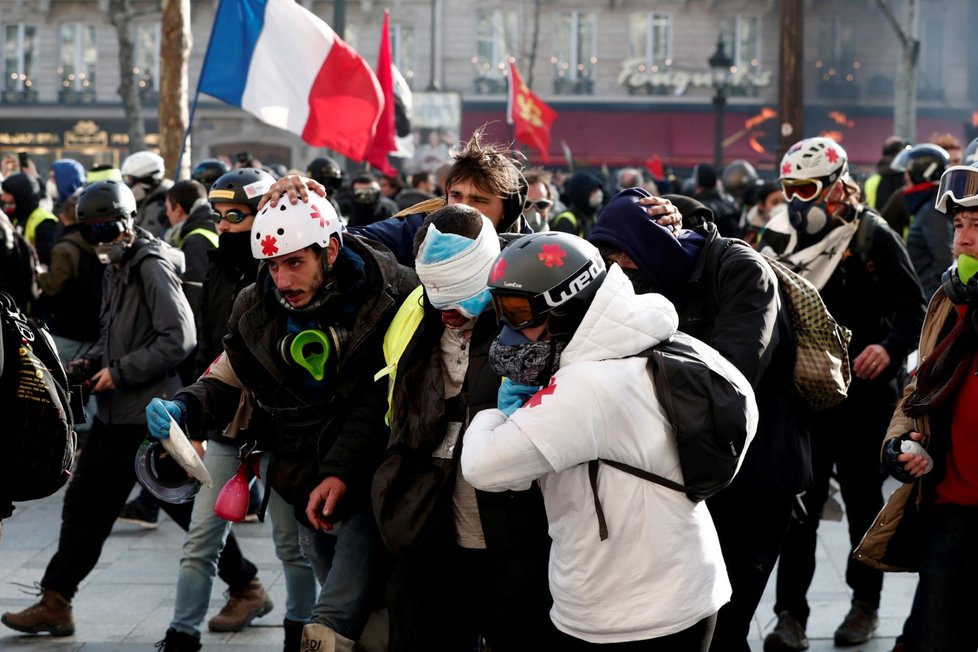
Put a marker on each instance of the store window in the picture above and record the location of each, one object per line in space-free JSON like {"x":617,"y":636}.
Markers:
{"x":403,"y":51}
{"x":649,"y":51}
{"x":20,"y":51}
{"x":79,"y":54}
{"x":742,"y":42}
{"x":837,"y":68}
{"x":575,"y":57}
{"x":146,"y":59}
{"x":495,"y":43}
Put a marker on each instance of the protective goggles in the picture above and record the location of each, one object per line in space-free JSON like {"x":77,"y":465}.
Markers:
{"x":231,"y":216}
{"x":517,"y":311}
{"x":540,"y":204}
{"x":103,"y":232}
{"x":803,"y":189}
{"x":959,"y":184}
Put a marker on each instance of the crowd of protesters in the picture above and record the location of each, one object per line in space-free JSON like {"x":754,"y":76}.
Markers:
{"x":426,"y":372}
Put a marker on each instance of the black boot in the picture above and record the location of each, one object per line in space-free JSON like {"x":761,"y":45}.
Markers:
{"x":178,"y":642}
{"x":293,"y":635}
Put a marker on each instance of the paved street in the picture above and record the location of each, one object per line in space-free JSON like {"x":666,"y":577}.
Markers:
{"x":126,"y":603}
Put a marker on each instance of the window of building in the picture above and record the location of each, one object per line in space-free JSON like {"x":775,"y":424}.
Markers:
{"x":649,"y":50}
{"x":495,"y":43}
{"x":576,"y":53}
{"x":930,"y":71}
{"x":742,"y":43}
{"x":20,"y":50}
{"x":837,"y":67}
{"x":146,"y":64}
{"x":79,"y":54}
{"x":403,"y":51}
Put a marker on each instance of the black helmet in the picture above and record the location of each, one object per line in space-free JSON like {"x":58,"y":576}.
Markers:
{"x":208,"y":171}
{"x":738,"y":176}
{"x":241,"y":186}
{"x":105,"y":200}
{"x":327,"y":172}
{"x":546,"y":273}
{"x":162,"y":476}
{"x":922,"y":163}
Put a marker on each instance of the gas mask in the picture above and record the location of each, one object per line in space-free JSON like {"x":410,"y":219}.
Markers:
{"x":960,"y":280}
{"x":111,"y":253}
{"x":314,"y":350}
{"x":535,"y":220}
{"x":807,"y":216}
{"x":139,"y":191}
{"x":366,"y":196}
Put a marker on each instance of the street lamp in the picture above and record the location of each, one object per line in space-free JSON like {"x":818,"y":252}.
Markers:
{"x":720,"y":67}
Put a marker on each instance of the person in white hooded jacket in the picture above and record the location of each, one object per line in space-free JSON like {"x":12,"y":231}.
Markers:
{"x":658,"y":580}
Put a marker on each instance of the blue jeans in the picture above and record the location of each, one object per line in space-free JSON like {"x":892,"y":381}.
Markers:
{"x":206,"y":538}
{"x":944,"y":607}
{"x":351,"y":563}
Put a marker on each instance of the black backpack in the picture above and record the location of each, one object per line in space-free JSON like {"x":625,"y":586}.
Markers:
{"x":38,"y":440}
{"x":75,"y":311}
{"x":709,"y":411}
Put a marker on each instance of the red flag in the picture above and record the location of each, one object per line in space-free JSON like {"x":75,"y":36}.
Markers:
{"x":530,"y":117}
{"x":384,"y":142}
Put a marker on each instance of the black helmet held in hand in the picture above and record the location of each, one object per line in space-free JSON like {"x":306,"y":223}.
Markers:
{"x":541,"y":274}
{"x":241,"y":186}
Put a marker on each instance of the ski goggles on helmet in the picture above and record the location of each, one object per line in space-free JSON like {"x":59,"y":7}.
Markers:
{"x":231,"y":216}
{"x":803,"y":189}
{"x":103,"y":232}
{"x":959,"y":185}
{"x":518,"y":311}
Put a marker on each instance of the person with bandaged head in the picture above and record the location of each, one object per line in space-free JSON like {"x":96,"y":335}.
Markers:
{"x":470,"y":562}
{"x":930,"y":446}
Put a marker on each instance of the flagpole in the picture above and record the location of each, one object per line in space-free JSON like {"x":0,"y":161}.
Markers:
{"x":200,"y":77}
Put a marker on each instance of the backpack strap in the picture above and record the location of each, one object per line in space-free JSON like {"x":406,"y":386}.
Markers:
{"x":592,"y":470}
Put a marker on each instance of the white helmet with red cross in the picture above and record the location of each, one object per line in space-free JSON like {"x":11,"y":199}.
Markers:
{"x":288,"y":227}
{"x":815,"y":158}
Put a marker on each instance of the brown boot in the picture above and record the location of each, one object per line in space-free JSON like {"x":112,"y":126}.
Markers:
{"x":242,"y":607}
{"x":52,"y":614}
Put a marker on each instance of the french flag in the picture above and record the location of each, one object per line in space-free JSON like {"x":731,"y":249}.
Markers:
{"x":281,"y":63}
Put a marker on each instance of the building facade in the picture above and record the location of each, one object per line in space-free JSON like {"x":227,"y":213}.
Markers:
{"x":629,"y":78}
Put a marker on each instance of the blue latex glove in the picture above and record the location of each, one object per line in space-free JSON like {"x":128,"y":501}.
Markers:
{"x":158,"y":414}
{"x":512,"y":396}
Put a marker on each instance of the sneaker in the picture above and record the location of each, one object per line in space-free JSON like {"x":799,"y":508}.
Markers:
{"x":242,"y":607}
{"x":788,"y":635}
{"x":175,"y":641}
{"x":858,"y":625}
{"x":136,"y":512}
{"x":52,"y":614}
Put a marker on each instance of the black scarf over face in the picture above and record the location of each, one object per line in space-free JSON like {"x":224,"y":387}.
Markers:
{"x":940,"y":375}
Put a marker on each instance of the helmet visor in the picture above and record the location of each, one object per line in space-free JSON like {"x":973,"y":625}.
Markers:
{"x":803,"y":189}
{"x":516,"y":311}
{"x":103,"y":232}
{"x":959,"y":184}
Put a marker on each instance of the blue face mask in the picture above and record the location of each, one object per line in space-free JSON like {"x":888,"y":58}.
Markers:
{"x":806,"y":216}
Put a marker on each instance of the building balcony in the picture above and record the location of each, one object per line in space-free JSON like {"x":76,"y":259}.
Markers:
{"x":19,"y":97}
{"x":566,"y":86}
{"x":69,"y":96}
{"x":490,"y":85}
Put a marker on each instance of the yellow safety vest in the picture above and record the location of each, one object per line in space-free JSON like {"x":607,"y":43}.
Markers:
{"x":396,"y":339}
{"x":207,"y":233}
{"x":870,"y":189}
{"x":34,"y":220}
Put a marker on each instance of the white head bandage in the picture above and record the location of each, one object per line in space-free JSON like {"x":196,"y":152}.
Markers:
{"x":454,"y":269}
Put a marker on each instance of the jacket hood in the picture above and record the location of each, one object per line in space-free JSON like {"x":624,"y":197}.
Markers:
{"x":26,"y":191}
{"x":663,"y":259}
{"x":155,"y":247}
{"x":619,"y":323}
{"x":69,"y":175}
{"x":579,"y":188}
